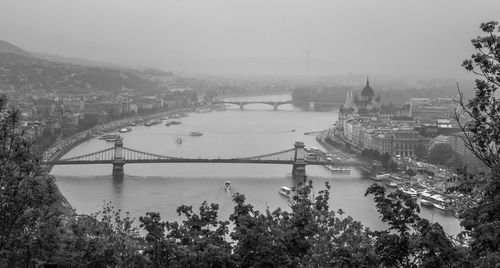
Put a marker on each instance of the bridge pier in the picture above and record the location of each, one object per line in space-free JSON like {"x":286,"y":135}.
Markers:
{"x":118,"y":161}
{"x":275,"y":106}
{"x":312,"y":106}
{"x":299,"y":162}
{"x":241,"y":105}
{"x":118,"y":170}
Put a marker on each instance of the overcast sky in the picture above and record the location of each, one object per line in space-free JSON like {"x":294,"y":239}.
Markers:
{"x":255,"y":36}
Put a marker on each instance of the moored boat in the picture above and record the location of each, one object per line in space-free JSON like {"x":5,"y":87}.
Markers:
{"x":124,"y":130}
{"x":439,"y":206}
{"x":178,"y":141}
{"x":338,"y":169}
{"x":195,"y":133}
{"x":392,"y":184}
{"x":152,"y":122}
{"x":426,"y":203}
{"x":379,"y":177}
{"x":109,"y":137}
{"x":409,"y":191}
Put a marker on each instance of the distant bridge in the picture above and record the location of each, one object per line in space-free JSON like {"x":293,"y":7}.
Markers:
{"x":118,"y":156}
{"x":275,"y":104}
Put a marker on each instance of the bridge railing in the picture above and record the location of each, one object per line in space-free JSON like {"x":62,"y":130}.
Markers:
{"x":269,"y":156}
{"x":106,"y":154}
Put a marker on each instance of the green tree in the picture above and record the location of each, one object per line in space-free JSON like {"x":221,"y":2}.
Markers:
{"x":27,"y":195}
{"x":481,"y":129}
{"x":199,"y":241}
{"x":411,"y":172}
{"x":420,"y":151}
{"x":311,"y":235}
{"x":482,"y":126}
{"x":102,"y":239}
{"x":410,"y":241}
{"x":441,"y":153}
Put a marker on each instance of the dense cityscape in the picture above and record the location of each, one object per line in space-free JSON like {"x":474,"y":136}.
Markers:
{"x":259,"y":134}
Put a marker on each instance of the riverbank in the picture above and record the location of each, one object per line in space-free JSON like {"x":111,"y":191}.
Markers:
{"x":252,"y":94}
{"x":60,"y":148}
{"x":366,"y":169}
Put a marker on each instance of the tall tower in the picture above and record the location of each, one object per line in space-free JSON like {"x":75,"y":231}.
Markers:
{"x":349,"y":101}
{"x":118,"y":160}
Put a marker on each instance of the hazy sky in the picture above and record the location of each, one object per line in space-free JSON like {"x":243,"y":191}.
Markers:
{"x":255,"y":36}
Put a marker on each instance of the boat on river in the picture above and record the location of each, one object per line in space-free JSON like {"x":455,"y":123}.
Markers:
{"x":286,"y":191}
{"x":438,"y":201}
{"x":178,"y":141}
{"x":124,"y":130}
{"x":152,"y":122}
{"x":109,"y":137}
{"x":338,"y":169}
{"x":412,"y":192}
{"x":195,"y":133}
{"x":379,"y":177}
{"x":169,"y":123}
{"x":392,"y":184}
{"x":227,"y":185}
{"x":426,"y":203}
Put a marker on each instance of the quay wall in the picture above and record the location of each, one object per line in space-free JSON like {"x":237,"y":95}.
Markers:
{"x":60,"y":148}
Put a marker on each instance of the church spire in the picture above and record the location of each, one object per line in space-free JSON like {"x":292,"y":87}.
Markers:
{"x":367,"y":82}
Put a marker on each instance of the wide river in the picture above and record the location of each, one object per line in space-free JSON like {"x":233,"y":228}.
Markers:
{"x":233,"y":133}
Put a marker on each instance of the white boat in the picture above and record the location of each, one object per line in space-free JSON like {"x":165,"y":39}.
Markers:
{"x":392,"y":184}
{"x":338,"y":169}
{"x":286,"y":191}
{"x":426,"y":203}
{"x":379,"y":177}
{"x":227,"y":185}
{"x":439,"y":206}
{"x":124,"y":130}
{"x":438,"y":201}
{"x":409,"y":191}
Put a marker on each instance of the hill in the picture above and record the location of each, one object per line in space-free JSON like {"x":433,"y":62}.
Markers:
{"x":22,"y":72}
{"x":7,"y":47}
{"x":76,"y":61}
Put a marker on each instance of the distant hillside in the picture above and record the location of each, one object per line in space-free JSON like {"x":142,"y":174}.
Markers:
{"x":7,"y":47}
{"x":30,"y":73}
{"x":77,"y":61}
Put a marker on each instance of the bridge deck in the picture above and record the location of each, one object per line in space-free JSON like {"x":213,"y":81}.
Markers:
{"x":199,"y":160}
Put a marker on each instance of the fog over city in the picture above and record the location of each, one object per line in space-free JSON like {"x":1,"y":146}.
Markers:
{"x":281,"y":37}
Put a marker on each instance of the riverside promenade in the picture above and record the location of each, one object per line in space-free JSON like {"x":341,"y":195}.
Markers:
{"x":60,"y":148}
{"x":343,"y":156}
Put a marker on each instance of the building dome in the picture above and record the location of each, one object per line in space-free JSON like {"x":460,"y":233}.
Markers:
{"x":367,"y":92}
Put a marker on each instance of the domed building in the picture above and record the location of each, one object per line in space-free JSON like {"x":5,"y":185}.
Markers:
{"x":367,"y":94}
{"x":367,"y":102}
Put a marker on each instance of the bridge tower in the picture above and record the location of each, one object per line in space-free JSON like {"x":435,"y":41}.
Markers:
{"x":299,"y":161}
{"x":118,"y":160}
{"x":312,"y":106}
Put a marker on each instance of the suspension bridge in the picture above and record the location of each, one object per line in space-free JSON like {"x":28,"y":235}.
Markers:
{"x":119,"y":155}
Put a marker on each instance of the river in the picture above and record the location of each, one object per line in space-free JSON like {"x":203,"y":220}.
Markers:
{"x":233,"y":133}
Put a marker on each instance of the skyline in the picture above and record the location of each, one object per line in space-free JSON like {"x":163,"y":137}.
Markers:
{"x":255,"y":38}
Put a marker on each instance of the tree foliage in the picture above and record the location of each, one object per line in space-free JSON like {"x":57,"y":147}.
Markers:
{"x":26,"y":194}
{"x":441,"y":153}
{"x":309,"y":234}
{"x":482,"y":123}
{"x":411,"y":241}
{"x":479,"y":208}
